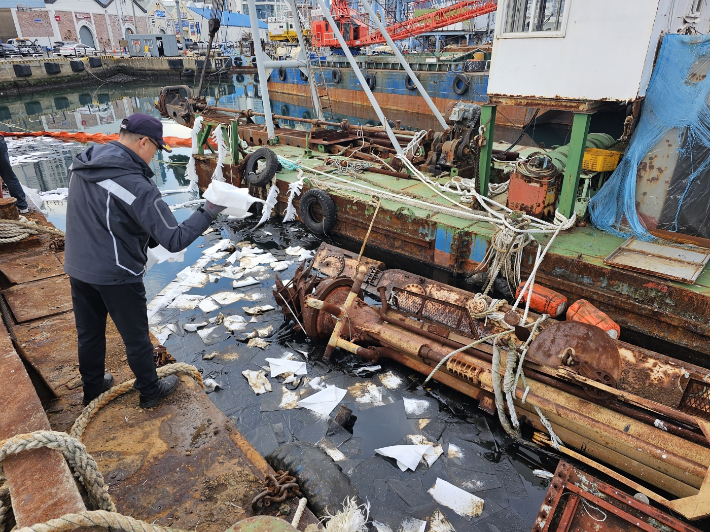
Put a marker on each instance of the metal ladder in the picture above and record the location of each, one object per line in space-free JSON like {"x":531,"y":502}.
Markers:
{"x":322,"y":87}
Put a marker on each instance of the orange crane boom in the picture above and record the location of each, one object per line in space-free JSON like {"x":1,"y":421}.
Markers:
{"x":355,"y":32}
{"x":432,"y":21}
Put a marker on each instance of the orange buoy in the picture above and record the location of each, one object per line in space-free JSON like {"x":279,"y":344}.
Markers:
{"x":544,"y":300}
{"x":583,"y":311}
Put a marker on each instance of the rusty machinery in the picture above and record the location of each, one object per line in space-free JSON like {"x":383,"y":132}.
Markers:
{"x":638,"y":411}
{"x":456,"y":148}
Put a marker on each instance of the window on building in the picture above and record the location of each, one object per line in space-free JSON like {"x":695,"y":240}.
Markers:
{"x":536,"y":16}
{"x":697,"y":6}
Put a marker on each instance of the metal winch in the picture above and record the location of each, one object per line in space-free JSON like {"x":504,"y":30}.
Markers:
{"x":455,"y":150}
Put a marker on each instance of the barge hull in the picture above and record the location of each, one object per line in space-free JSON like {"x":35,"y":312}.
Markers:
{"x":666,"y":310}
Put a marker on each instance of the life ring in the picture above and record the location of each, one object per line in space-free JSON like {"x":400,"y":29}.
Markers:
{"x":304,"y":77}
{"x":460,"y":84}
{"x":371,"y":81}
{"x":317,"y":211}
{"x":285,"y":111}
{"x":282,"y":73}
{"x":409,"y":83}
{"x":237,"y":61}
{"x":260,"y":177}
{"x":240,"y":78}
{"x":335,"y":75}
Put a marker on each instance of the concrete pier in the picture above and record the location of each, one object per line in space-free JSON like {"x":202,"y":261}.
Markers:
{"x":20,"y":74}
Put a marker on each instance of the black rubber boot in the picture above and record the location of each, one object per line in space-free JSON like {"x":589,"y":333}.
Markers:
{"x":166,"y":386}
{"x":90,"y":395}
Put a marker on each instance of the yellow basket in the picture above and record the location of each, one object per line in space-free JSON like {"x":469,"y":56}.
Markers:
{"x":596,"y":160}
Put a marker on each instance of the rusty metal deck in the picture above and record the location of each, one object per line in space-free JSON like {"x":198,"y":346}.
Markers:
{"x":182,"y":465}
{"x":32,"y":268}
{"x":39,"y":299}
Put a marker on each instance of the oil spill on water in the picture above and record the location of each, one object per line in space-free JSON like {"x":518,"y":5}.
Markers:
{"x":388,"y":404}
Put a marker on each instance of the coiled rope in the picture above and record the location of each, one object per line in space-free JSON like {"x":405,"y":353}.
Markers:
{"x":74,"y":452}
{"x":16,"y":230}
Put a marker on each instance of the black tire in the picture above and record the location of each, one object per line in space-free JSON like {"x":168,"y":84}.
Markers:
{"x":188,"y":72}
{"x":237,"y":61}
{"x":318,"y":211}
{"x":303,"y":76}
{"x":285,"y":111}
{"x":371,"y":81}
{"x":409,"y":83}
{"x":335,"y":75}
{"x":256,"y":78}
{"x":240,"y":78}
{"x":260,"y":178}
{"x":460,"y":84}
{"x":321,"y":480}
{"x":282,"y":74}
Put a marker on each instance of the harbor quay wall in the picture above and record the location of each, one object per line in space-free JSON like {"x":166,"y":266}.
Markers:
{"x":16,"y":76}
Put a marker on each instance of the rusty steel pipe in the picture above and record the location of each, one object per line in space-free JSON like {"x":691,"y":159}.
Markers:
{"x":408,"y":343}
{"x":441,"y":376}
{"x":389,"y":172}
{"x":655,"y":452}
{"x":618,"y":406}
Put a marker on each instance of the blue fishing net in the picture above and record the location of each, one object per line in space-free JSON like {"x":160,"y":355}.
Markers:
{"x":676,"y":103}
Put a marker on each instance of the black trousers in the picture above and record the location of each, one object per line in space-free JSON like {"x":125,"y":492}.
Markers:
{"x":126,"y":304}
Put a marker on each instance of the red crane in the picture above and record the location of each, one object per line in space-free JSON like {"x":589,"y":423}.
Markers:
{"x":356,"y":33}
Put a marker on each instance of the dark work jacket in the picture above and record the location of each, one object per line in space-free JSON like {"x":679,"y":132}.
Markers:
{"x":113,"y":210}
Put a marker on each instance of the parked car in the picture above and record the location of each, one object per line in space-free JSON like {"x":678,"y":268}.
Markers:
{"x":77,"y":50}
{"x":23,"y":45}
{"x":58,"y":44}
{"x":189,"y":43}
{"x":8,"y":50}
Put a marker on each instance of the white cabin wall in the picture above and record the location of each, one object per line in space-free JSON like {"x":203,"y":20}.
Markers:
{"x":602,"y":55}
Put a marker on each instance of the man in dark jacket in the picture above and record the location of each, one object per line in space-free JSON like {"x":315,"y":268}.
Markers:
{"x":114,"y":213}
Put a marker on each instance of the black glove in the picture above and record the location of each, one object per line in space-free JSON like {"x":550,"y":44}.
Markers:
{"x":212,"y":209}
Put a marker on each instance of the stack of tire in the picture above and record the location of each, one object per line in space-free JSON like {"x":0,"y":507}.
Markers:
{"x":317,"y":209}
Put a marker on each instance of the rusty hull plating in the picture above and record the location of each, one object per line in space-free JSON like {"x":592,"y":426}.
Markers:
{"x":595,"y":404}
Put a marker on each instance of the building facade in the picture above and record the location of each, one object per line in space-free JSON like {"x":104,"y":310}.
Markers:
{"x":98,"y":23}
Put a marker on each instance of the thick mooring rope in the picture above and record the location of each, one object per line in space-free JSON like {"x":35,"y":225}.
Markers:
{"x":179,"y":368}
{"x":16,"y":230}
{"x":97,"y":518}
{"x":74,"y":452}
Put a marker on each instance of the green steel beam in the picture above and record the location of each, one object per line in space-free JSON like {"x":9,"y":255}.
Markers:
{"x":202,"y":137}
{"x":234,"y":146}
{"x":488,"y":121}
{"x":570,"y":183}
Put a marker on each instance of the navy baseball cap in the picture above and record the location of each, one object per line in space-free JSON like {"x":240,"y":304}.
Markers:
{"x":146,"y":125}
